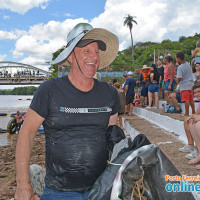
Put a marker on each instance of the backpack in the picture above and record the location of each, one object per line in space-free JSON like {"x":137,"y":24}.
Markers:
{"x":169,"y":108}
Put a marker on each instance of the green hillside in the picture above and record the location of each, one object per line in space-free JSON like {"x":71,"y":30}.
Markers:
{"x":144,"y":53}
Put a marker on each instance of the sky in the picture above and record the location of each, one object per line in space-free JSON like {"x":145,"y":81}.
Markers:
{"x":31,"y":30}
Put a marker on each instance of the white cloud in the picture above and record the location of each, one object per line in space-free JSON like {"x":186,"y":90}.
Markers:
{"x":22,"y":6}
{"x":2,"y":57}
{"x":157,"y":20}
{"x":36,"y":62}
{"x":6,"y":17}
{"x":42,"y":40}
{"x":68,"y":15}
{"x":7,"y":35}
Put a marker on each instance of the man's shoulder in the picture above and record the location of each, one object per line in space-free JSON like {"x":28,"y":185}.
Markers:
{"x":132,"y":79}
{"x":185,"y":66}
{"x":180,"y":67}
{"x":53,"y":81}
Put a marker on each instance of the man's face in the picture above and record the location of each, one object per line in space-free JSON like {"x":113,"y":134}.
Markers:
{"x":197,"y":93}
{"x":88,"y":59}
{"x":177,"y":60}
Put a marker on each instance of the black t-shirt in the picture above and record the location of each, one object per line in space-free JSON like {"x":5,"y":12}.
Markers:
{"x":155,"y":77}
{"x":161,"y":71}
{"x":75,"y":131}
{"x":140,"y":78}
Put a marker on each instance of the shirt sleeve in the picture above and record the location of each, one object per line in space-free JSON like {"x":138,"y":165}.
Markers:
{"x":42,"y":98}
{"x":127,"y":82}
{"x":179,"y":73}
{"x":116,"y":101}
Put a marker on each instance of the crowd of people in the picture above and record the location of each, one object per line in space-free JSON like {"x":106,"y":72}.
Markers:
{"x":22,"y":73}
{"x":176,"y":86}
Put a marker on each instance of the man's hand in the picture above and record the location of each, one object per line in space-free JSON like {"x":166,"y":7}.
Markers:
{"x":24,"y":192}
{"x":188,"y":119}
{"x":195,"y":118}
{"x":169,"y":88}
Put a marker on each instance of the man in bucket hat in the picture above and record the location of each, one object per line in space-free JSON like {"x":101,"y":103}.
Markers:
{"x":75,"y":111}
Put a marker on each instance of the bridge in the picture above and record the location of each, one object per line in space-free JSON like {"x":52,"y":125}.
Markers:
{"x":14,"y":73}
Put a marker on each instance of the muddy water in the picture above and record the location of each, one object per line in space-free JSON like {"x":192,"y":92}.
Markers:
{"x":11,"y":104}
{"x":7,"y":139}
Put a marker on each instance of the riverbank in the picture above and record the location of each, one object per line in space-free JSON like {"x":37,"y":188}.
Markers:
{"x":168,"y":142}
{"x":6,"y":138}
{"x":7,"y":165}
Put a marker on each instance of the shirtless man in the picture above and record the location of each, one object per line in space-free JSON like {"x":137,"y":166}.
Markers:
{"x":18,"y":118}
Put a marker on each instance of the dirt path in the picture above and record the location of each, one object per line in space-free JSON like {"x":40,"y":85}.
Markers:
{"x":7,"y":165}
{"x":166,"y":141}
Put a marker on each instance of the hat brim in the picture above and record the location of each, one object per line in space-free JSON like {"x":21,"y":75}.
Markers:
{"x":146,"y":68}
{"x":106,"y":57}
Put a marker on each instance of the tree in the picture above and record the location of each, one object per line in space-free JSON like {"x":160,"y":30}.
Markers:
{"x":129,"y":20}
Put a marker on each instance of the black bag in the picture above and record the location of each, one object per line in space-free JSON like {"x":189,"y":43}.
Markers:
{"x":148,"y":168}
{"x":101,"y":190}
{"x":152,"y":166}
{"x":114,"y":134}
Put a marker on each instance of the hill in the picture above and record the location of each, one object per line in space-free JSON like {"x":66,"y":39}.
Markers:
{"x":144,"y":53}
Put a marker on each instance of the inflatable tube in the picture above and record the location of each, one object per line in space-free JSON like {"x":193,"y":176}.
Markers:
{"x":3,"y":114}
{"x":12,"y":126}
{"x":2,"y":130}
{"x":13,"y":114}
{"x":41,"y":130}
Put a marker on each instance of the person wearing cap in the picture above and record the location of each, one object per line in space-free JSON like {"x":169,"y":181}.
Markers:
{"x":130,"y":93}
{"x":75,"y":111}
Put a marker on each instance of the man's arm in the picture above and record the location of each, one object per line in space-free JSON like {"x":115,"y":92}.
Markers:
{"x":171,"y":71}
{"x":151,"y":77}
{"x":113,"y":119}
{"x":24,"y":147}
{"x":194,"y":52}
{"x":126,"y":89}
{"x":179,"y":75}
{"x":178,"y":80}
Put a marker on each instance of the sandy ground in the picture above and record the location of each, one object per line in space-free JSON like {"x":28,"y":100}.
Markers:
{"x":7,"y":165}
{"x":168,"y":143}
{"x":7,"y":155}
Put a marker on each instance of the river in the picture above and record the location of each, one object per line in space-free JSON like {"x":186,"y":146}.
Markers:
{"x":11,"y":104}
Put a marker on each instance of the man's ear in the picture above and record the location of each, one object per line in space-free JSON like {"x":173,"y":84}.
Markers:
{"x":69,"y":58}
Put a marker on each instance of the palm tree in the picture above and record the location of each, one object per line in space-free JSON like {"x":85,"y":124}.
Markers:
{"x":129,"y":20}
